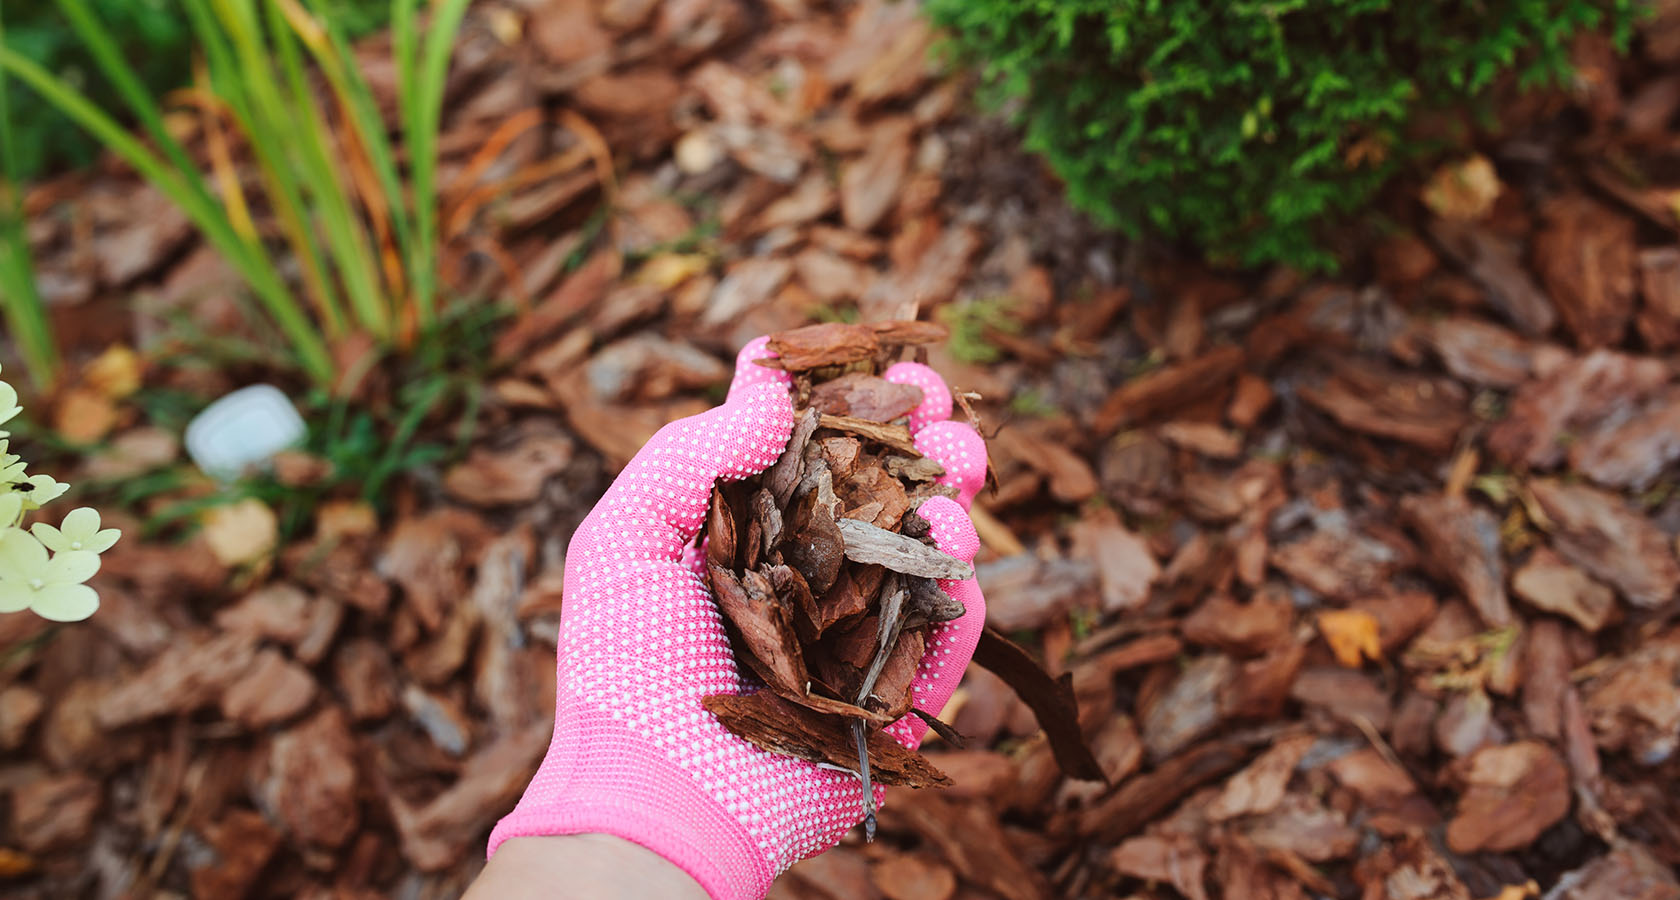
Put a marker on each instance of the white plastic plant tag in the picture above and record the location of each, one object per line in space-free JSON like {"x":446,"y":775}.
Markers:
{"x":243,"y":429}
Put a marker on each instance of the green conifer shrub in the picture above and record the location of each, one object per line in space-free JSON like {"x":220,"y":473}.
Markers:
{"x":1247,"y":127}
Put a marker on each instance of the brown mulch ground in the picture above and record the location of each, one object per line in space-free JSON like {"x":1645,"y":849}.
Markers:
{"x":1366,"y":584}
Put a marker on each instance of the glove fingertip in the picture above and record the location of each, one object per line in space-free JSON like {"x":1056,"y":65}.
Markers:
{"x":749,"y":373}
{"x":936,"y":395}
{"x":953,"y":532}
{"x":961,"y":450}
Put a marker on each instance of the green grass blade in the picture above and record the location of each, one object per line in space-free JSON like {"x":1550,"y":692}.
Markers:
{"x":338,"y":63}
{"x":122,"y":76}
{"x":20,"y":294}
{"x":425,"y":396}
{"x":347,"y":237}
{"x":20,"y":299}
{"x":218,"y":55}
{"x":210,"y":218}
{"x":421,"y":130}
{"x":403,"y":32}
{"x":256,"y":119}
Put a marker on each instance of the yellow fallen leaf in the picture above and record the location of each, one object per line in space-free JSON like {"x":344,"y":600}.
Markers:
{"x":1517,"y":892}
{"x":84,"y":416}
{"x":338,"y":519}
{"x":1351,"y":634}
{"x":1463,"y":190}
{"x":667,"y":270}
{"x":242,"y":532}
{"x":114,"y":373}
{"x":505,"y":24}
{"x":15,"y":863}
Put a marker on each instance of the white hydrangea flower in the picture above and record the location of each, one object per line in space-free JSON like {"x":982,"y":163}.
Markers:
{"x":9,"y":407}
{"x":79,"y":531}
{"x":43,"y":490}
{"x":30,"y":578}
{"x":11,"y":466}
{"x":50,"y":586}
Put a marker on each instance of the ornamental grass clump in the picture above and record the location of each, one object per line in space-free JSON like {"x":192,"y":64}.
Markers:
{"x":354,"y":200}
{"x":43,"y":568}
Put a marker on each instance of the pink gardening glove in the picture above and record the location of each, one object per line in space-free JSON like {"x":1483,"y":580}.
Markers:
{"x":634,"y":754}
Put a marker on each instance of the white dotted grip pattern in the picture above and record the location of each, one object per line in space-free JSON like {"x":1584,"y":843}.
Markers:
{"x":634,"y":753}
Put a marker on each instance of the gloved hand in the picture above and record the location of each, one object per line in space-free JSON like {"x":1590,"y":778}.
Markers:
{"x":634,"y":754}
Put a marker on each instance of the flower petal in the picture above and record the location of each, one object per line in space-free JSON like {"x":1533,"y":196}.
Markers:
{"x":71,"y":567}
{"x":8,"y":402}
{"x":102,"y":540}
{"x":65,"y":602}
{"x":21,"y":556}
{"x":81,"y":523}
{"x":15,"y":596}
{"x":46,"y":489}
{"x":11,"y":506}
{"x":50,"y":537}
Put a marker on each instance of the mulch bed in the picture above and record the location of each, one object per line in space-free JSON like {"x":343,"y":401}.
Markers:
{"x":1365,"y":583}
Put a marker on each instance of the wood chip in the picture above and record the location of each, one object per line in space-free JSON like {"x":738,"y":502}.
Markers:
{"x":1146,"y":796}
{"x":1598,"y":532}
{"x":895,"y":436}
{"x":785,"y":474}
{"x":1575,"y":396}
{"x":865,"y":397}
{"x":1050,"y":700}
{"x":1464,"y":542}
{"x":1633,"y":447}
{"x":970,"y":837}
{"x":721,"y":543}
{"x":1497,"y":266}
{"x":1555,"y":586}
{"x":780,"y":726}
{"x":1513,"y":793}
{"x":1188,"y":708}
{"x":1177,"y":860}
{"x":814,"y":543}
{"x":1585,"y":257}
{"x":865,"y":543}
{"x":305,"y":779}
{"x":750,"y":604}
{"x":1160,"y":391}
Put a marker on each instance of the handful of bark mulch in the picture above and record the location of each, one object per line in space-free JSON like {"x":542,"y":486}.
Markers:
{"x":828,"y":579}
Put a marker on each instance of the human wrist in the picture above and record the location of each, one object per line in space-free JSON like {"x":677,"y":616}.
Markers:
{"x":602,"y":777}
{"x":562,"y":867}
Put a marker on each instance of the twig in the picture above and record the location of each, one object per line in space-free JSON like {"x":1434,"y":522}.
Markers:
{"x":892,"y":621}
{"x":886,"y":637}
{"x":863,"y":772}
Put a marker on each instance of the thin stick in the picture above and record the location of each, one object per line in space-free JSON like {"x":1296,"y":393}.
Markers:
{"x":863,"y":770}
{"x":892,"y":620}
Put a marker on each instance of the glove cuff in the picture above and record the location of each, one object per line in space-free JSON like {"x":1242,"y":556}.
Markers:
{"x":602,"y":778}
